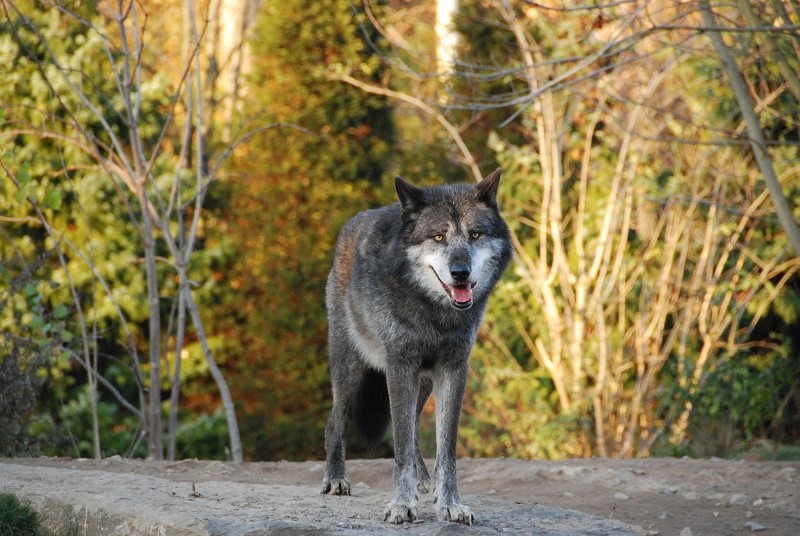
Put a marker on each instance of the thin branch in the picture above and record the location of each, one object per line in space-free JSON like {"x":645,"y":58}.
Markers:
{"x":469,"y":160}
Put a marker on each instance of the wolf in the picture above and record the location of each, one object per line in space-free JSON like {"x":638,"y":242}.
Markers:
{"x":405,"y":297}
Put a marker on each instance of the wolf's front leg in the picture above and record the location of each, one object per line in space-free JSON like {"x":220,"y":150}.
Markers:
{"x":403,"y":383}
{"x":449,"y":383}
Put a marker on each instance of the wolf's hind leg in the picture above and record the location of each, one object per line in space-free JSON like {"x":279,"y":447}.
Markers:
{"x":335,"y":480}
{"x":346,"y":372}
{"x":423,"y":477}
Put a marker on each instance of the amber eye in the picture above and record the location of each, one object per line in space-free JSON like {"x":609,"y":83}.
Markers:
{"x":438,"y":237}
{"x":475,"y":235}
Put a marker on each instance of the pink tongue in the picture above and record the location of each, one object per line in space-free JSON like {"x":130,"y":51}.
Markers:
{"x":462,"y":293}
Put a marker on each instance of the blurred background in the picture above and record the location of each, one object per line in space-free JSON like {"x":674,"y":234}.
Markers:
{"x":175,"y":173}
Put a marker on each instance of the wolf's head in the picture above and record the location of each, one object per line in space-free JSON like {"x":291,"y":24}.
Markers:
{"x":455,"y":239}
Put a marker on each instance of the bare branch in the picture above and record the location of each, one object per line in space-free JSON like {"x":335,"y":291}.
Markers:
{"x":469,"y":160}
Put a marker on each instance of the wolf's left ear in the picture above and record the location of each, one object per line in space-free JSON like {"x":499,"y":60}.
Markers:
{"x":487,"y":188}
{"x":411,"y":198}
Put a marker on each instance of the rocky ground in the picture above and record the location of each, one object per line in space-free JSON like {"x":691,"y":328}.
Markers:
{"x":680,"y":497}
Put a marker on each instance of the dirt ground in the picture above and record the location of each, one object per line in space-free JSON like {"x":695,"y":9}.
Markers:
{"x":680,"y":497}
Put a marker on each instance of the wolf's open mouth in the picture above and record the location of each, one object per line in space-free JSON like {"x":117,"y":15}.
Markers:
{"x":460,"y":295}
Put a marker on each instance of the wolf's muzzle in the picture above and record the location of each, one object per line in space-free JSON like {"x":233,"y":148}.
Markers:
{"x":459,"y":272}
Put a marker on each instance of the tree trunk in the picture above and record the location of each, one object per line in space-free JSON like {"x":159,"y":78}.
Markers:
{"x":755,"y":135}
{"x":227,"y":399}
{"x":446,"y":36}
{"x":154,"y":445}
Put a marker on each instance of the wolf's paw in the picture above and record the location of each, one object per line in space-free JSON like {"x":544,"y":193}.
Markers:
{"x":457,"y":512}
{"x":337,"y":486}
{"x":399,"y":513}
{"x":424,"y":486}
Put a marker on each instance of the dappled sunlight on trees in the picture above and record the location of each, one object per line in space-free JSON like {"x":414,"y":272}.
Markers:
{"x":292,"y":187}
{"x":171,"y":197}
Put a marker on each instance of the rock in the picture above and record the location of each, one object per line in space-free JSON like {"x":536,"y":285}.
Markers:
{"x":621,"y":496}
{"x":788,"y":473}
{"x":686,"y":531}
{"x":755,"y":527}
{"x":738,"y":499}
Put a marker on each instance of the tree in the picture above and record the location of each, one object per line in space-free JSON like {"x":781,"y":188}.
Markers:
{"x":636,"y":276}
{"x":788,"y":66}
{"x":292,"y":188}
{"x":117,"y":129}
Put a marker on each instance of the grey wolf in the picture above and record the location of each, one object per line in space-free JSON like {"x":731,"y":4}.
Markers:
{"x":405,"y":297}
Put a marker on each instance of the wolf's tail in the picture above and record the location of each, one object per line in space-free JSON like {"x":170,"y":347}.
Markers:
{"x":371,"y":410}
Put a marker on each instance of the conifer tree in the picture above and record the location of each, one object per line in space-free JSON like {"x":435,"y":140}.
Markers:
{"x":293,"y":187}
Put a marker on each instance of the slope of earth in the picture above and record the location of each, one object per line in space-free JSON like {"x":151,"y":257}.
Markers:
{"x":576,"y":497}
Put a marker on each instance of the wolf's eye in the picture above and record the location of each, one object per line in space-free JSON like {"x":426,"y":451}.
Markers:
{"x":475,"y":235}
{"x":438,"y":237}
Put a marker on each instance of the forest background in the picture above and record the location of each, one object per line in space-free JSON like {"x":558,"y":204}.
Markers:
{"x":175,"y":175}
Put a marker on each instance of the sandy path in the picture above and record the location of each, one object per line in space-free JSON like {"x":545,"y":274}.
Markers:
{"x":576,"y":497}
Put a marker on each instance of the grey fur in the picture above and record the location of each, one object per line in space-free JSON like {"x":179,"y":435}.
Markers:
{"x":406,"y":296}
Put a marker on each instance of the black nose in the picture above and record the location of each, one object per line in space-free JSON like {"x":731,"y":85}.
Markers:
{"x":459,"y":272}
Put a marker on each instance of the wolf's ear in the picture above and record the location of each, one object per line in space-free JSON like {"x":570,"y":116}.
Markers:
{"x":487,"y":188}
{"x":411,"y":197}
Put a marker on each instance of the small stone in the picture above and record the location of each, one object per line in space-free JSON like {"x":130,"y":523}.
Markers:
{"x":663,"y":516}
{"x":738,"y":499}
{"x":670,"y":488}
{"x":621,"y":496}
{"x":716,"y":514}
{"x":748,"y":514}
{"x":755,"y":527}
{"x":686,"y":531}
{"x":788,"y":473}
{"x":568,"y":494}
{"x":758,"y":502}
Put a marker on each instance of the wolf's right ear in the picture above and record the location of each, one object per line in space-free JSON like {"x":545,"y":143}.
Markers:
{"x":411,"y":198}
{"x":487,"y":188}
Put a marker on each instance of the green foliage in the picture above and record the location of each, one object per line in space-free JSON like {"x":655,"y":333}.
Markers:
{"x":203,"y":437}
{"x":512,"y":412}
{"x":295,"y":43}
{"x":31,"y":335}
{"x":18,"y":518}
{"x":513,"y":402}
{"x":52,"y":171}
{"x":68,"y":430}
{"x":52,"y":147}
{"x":267,"y":241}
{"x":292,"y":188}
